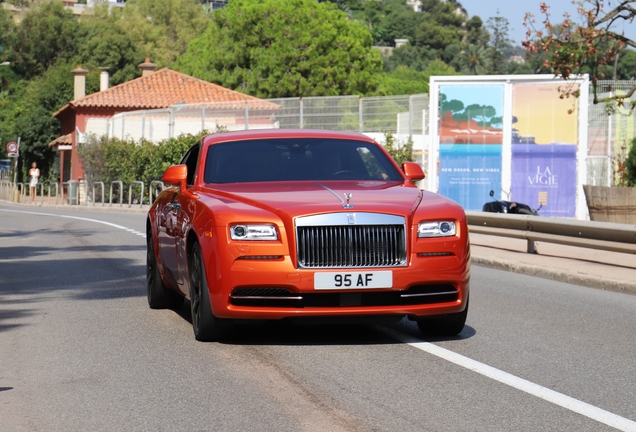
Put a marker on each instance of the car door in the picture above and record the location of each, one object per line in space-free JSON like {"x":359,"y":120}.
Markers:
{"x":167,"y":216}
{"x":182,"y":207}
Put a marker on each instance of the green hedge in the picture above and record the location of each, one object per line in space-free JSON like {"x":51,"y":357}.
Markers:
{"x":110,"y":159}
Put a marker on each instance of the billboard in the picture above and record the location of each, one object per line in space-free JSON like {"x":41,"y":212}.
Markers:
{"x":470,"y":137}
{"x":544,"y":149}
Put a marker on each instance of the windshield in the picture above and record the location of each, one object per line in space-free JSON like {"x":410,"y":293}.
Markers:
{"x":289,"y":159}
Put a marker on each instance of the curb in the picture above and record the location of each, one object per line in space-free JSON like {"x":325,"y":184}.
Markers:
{"x":558,"y":275}
{"x":126,"y":209}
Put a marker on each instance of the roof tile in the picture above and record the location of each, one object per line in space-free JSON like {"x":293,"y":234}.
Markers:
{"x":160,"y":89}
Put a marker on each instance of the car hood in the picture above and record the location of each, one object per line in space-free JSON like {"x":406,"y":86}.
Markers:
{"x":289,"y":200}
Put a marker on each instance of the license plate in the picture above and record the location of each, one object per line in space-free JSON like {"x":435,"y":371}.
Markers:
{"x":353,"y":280}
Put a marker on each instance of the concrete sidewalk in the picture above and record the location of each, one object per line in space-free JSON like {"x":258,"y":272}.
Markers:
{"x":593,"y":268}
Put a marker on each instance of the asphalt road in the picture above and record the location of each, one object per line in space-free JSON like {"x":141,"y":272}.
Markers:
{"x":80,"y":350}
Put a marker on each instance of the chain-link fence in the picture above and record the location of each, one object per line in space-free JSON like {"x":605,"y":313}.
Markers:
{"x":608,"y":135}
{"x":396,"y":114}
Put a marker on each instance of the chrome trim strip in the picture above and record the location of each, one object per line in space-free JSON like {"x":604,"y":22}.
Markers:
{"x":264,"y":298}
{"x":342,"y":218}
{"x":332,"y":191}
{"x":427,"y":294}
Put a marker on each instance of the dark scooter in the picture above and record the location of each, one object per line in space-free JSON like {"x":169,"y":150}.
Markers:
{"x":500,"y":206}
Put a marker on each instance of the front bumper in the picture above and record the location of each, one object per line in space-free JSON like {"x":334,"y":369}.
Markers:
{"x":274,"y":289}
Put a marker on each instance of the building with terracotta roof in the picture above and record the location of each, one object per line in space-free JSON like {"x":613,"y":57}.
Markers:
{"x":153,"y":90}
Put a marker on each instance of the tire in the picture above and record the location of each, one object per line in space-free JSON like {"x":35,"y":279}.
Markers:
{"x":206,"y":326}
{"x":159,"y":296}
{"x":445,"y":325}
{"x":526,"y":212}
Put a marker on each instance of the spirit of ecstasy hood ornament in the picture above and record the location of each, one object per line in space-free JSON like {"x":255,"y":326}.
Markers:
{"x":348,"y":196}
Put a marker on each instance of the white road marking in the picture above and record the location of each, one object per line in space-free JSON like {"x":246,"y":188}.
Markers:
{"x":130,"y":230}
{"x":583,"y":408}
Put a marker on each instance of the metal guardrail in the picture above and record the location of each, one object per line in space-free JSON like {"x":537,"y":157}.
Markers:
{"x":607,"y":236}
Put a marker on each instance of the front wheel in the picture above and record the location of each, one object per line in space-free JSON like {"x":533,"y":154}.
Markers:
{"x":205,"y":325}
{"x":445,"y":325}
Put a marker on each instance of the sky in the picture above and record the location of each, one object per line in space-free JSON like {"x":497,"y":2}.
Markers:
{"x":515,"y":10}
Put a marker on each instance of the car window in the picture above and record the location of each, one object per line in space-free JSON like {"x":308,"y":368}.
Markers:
{"x":289,"y":159}
{"x":191,"y":160}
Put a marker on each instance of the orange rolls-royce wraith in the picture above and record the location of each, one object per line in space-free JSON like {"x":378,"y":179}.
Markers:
{"x":304,"y":225}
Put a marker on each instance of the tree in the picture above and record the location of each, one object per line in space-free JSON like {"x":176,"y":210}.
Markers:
{"x":499,"y":45}
{"x":400,"y":22}
{"x":626,"y":66}
{"x":46,"y":35}
{"x":438,"y":68}
{"x":475,"y":60}
{"x":162,"y":29}
{"x":103,"y":41}
{"x":404,"y":81}
{"x":440,"y":24}
{"x":630,"y":165}
{"x":7,"y":29}
{"x":409,"y":56}
{"x":571,"y":48}
{"x":476,"y":34}
{"x":284,"y":48}
{"x":33,"y":111}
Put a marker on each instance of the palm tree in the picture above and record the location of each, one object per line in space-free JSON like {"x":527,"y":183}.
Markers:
{"x":474,"y":60}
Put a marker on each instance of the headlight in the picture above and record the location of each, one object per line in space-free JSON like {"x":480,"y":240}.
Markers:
{"x":253,"y":232}
{"x":436,"y":229}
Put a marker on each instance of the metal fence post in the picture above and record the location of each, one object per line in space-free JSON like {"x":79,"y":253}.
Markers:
{"x":411,"y":116}
{"x":73,"y":192}
{"x":19,"y":191}
{"x":41,"y":185}
{"x":94,"y":186}
{"x":170,"y":123}
{"x":143,"y":125}
{"x":360,"y":117}
{"x":121,"y":193}
{"x":302,"y":119}
{"x":247,"y":116}
{"x":57,"y":191}
{"x":141,"y":198}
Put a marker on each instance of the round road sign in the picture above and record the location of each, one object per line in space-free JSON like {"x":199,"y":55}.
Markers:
{"x":12,"y":147}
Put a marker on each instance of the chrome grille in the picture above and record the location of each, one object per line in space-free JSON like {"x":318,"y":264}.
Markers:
{"x":351,"y":246}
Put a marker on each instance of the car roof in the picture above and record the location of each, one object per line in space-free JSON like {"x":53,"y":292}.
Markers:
{"x":283,"y":133}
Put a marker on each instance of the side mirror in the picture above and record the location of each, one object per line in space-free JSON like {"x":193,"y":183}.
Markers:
{"x":492,"y":193}
{"x":413,"y":171}
{"x":176,"y":175}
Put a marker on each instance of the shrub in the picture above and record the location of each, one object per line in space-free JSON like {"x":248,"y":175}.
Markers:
{"x":400,"y":152}
{"x":110,"y":159}
{"x":630,"y":165}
